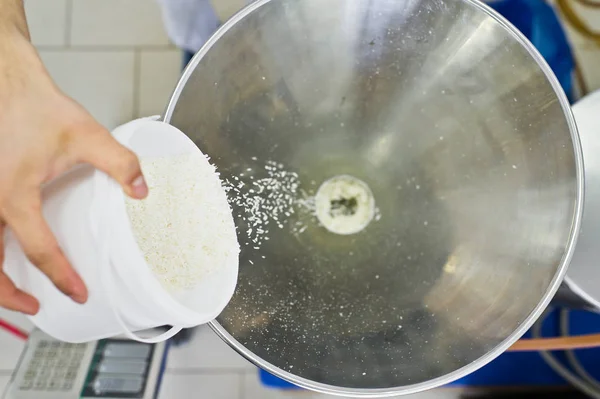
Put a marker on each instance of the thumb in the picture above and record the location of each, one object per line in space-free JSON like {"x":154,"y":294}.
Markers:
{"x":99,"y":148}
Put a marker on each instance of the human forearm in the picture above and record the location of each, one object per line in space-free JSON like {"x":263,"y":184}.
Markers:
{"x":43,"y":134}
{"x":12,"y":18}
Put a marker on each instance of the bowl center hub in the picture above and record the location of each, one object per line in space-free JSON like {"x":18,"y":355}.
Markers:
{"x":344,"y":205}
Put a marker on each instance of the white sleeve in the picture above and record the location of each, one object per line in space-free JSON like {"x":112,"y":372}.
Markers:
{"x":189,"y":23}
{"x":225,"y":9}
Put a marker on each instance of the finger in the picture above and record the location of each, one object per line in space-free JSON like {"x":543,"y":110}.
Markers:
{"x":99,"y":148}
{"x":1,"y":244}
{"x":42,"y":250}
{"x":13,"y":298}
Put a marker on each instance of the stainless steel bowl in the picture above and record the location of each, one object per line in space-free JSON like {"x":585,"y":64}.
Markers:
{"x":468,"y":145}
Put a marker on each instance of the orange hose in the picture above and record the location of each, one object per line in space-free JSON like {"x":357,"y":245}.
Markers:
{"x":554,"y":344}
{"x":589,"y":3}
{"x":576,"y":21}
{"x":12,"y":329}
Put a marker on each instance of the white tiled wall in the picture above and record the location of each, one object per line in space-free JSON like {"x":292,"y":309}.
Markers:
{"x":102,"y":81}
{"x":158,"y":75}
{"x":47,"y":21}
{"x":117,"y":23}
{"x":115,"y":58}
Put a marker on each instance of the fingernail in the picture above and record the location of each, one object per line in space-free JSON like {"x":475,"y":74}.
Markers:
{"x":79,"y":298}
{"x":140,"y":188}
{"x":31,"y":311}
{"x":30,"y":306}
{"x":79,"y":293}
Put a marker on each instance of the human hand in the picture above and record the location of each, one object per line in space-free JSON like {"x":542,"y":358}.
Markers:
{"x":43,"y":133}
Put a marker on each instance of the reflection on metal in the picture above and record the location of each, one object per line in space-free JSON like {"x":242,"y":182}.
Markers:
{"x":467,"y":143}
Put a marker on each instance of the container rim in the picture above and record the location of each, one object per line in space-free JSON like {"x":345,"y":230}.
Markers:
{"x":531,"y":318}
{"x":116,"y":213}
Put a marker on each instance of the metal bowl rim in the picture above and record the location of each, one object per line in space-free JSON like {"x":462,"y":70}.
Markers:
{"x":531,"y":318}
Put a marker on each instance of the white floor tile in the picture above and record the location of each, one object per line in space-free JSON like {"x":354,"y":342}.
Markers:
{"x":252,"y":388}
{"x":442,"y":393}
{"x":101,"y":81}
{"x":206,"y":351}
{"x":47,"y":21}
{"x":213,"y":386}
{"x":11,"y":348}
{"x":117,"y":23}
{"x":159,"y":73}
{"x":4,"y":379}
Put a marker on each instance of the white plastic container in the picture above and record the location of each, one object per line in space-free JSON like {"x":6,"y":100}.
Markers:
{"x":86,"y":211}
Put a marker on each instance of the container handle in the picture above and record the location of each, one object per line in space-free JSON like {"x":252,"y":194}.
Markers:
{"x":152,"y":340}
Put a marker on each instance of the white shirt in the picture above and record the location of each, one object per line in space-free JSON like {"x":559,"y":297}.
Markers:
{"x":190,"y":23}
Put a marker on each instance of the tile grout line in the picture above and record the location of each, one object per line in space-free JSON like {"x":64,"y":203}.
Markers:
{"x":137,"y":77}
{"x":205,"y":371}
{"x":241,"y":384}
{"x":103,"y":47}
{"x":68,"y":22}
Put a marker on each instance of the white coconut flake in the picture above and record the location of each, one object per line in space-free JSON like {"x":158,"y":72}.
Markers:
{"x":184,"y":227}
{"x":272,"y":200}
{"x":268,"y":202}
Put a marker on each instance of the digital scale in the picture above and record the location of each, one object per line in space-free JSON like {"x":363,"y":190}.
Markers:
{"x":109,"y":369}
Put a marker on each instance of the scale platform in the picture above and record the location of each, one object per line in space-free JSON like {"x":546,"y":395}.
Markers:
{"x":108,"y":369}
